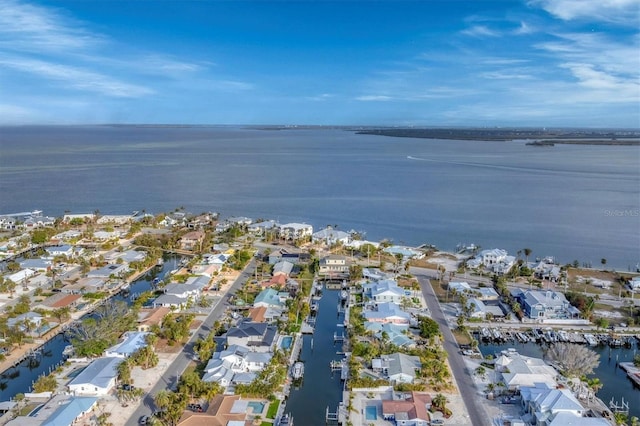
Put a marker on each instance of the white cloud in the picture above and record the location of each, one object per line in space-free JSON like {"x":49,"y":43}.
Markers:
{"x":76,"y":78}
{"x":374,"y":98}
{"x":625,"y":12}
{"x":30,"y":28}
{"x":480,"y":31}
{"x":320,"y":98}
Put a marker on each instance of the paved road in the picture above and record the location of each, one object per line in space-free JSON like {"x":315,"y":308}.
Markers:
{"x":464,"y":380}
{"x":170,"y":377}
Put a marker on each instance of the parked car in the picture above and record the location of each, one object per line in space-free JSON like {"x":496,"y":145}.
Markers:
{"x":144,"y":420}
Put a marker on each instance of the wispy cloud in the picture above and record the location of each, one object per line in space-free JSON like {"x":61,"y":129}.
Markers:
{"x":480,"y":31}
{"x":76,"y":78}
{"x":624,"y":12}
{"x":321,"y":98}
{"x":31,"y":28}
{"x":374,"y":98}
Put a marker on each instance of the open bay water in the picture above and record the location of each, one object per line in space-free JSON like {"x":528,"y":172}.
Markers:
{"x":616,"y":383}
{"x":568,"y":201}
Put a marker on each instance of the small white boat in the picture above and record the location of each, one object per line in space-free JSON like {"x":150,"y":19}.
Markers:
{"x":298,"y":370}
{"x":68,"y":350}
{"x":344,"y":294}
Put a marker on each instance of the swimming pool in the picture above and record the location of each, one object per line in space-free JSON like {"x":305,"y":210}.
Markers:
{"x":371,"y":413}
{"x":257,"y":407}
{"x":35,"y":411}
{"x":286,"y":342}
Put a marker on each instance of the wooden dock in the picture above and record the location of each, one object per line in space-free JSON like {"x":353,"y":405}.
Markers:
{"x":632,"y":371}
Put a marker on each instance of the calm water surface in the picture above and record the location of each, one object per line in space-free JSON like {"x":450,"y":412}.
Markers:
{"x":572,"y":202}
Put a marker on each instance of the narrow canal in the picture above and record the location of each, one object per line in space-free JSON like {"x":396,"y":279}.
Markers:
{"x":616,"y":383}
{"x":20,"y":378}
{"x":320,"y":387}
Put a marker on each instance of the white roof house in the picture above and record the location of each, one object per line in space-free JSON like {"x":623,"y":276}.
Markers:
{"x":64,"y":250}
{"x":398,"y":367}
{"x":547,"y":405}
{"x":21,"y":276}
{"x":384,"y":291}
{"x":98,"y":378}
{"x":330,"y":236}
{"x":634,"y":283}
{"x":133,"y":341}
{"x":295,"y":231}
{"x":521,"y":371}
{"x":387,"y":312}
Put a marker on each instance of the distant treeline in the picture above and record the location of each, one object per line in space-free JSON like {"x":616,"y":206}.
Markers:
{"x":557,"y":135}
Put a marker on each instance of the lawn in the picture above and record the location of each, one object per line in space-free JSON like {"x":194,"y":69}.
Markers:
{"x":273,"y":409}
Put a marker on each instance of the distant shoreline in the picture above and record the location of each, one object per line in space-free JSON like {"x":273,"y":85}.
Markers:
{"x":537,"y":137}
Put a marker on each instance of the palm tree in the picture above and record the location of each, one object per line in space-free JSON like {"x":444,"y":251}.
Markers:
{"x":439,"y":402}
{"x":162,"y":399}
{"x":124,"y":371}
{"x":527,"y":253}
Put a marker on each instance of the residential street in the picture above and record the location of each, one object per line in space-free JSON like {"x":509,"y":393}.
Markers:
{"x":465,"y":382}
{"x":169,"y":379}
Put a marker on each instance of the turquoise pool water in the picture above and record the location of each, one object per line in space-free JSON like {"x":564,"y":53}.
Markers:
{"x":286,"y":342}
{"x":256,"y":406}
{"x":371,"y":413}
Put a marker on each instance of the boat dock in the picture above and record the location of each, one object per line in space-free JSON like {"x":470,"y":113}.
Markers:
{"x":632,"y":371}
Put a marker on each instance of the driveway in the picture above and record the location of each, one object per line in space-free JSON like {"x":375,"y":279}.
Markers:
{"x":465,"y":382}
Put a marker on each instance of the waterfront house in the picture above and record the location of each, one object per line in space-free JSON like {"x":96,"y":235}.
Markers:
{"x":59,"y":410}
{"x":192,"y":240}
{"x":29,"y":322}
{"x":60,"y":300}
{"x":397,"y":367}
{"x":109,"y":271}
{"x":408,"y":411}
{"x":257,"y":336}
{"x":517,"y":371}
{"x":545,"y":406}
{"x":85,"y":285}
{"x":334,"y":267}
{"x":634,"y":283}
{"x":384,"y":291}
{"x":97,"y":379}
{"x":330,"y":236}
{"x":393,"y":333}
{"x":261,"y":228}
{"x":544,"y":305}
{"x":133,"y":340}
{"x":495,"y":260}
{"x":387,"y":312}
{"x":406,"y":252}
{"x":295,"y":231}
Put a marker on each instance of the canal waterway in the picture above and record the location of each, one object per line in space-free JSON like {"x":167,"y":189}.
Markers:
{"x":320,"y":387}
{"x":615,"y":382}
{"x":20,"y":378}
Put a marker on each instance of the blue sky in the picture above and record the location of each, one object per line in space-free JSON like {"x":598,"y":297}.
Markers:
{"x":438,"y":63}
